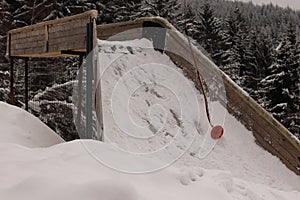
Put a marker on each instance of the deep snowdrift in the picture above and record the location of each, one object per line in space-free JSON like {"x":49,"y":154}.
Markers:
{"x":20,"y":127}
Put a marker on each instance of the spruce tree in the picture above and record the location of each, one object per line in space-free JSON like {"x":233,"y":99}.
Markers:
{"x":212,"y":38}
{"x":249,"y":72}
{"x":118,"y":11}
{"x":168,"y":9}
{"x":280,"y":90}
{"x":188,"y":22}
{"x":236,"y":30}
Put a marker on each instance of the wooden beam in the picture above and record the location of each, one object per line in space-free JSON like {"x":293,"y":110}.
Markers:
{"x":74,"y":53}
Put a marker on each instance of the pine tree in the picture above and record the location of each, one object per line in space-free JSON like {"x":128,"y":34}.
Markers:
{"x":118,"y":11}
{"x":168,"y":9}
{"x":249,"y":72}
{"x":236,"y":30}
{"x":280,"y":94}
{"x":212,"y":38}
{"x":188,"y":22}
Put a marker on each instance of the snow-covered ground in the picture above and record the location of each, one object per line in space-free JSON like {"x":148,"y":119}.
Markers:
{"x":154,"y":121}
{"x":19,"y":127}
{"x":68,"y":171}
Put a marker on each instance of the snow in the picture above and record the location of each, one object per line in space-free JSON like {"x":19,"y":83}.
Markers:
{"x":157,"y":144}
{"x":127,"y":95}
{"x":68,"y":171}
{"x":20,"y":127}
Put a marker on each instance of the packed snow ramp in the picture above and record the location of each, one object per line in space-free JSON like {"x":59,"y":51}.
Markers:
{"x":268,"y":132}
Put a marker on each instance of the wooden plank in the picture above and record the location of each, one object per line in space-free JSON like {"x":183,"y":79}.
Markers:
{"x":107,"y":30}
{"x":261,"y":126}
{"x":128,"y":35}
{"x":32,"y":50}
{"x":59,"y":34}
{"x":260,"y":112}
{"x":78,"y":40}
{"x":28,"y":45}
{"x":265,"y":144}
{"x":34,"y":32}
{"x":28,"y":40}
{"x":71,"y":45}
{"x":67,"y":26}
{"x":86,"y":15}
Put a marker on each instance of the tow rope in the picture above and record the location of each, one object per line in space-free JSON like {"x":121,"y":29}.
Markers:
{"x":216,"y":131}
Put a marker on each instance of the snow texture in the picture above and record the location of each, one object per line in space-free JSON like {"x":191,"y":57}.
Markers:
{"x":19,"y":127}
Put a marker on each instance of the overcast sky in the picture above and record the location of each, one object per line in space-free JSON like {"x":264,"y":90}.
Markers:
{"x":284,"y":3}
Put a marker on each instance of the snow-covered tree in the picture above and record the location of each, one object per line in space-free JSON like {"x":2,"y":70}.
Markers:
{"x":211,"y":36}
{"x":280,"y":90}
{"x":237,"y":33}
{"x":117,"y":11}
{"x":249,"y":72}
{"x":168,"y":9}
{"x":189,"y":22}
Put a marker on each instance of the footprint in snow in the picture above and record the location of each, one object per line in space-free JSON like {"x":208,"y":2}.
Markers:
{"x":189,"y":175}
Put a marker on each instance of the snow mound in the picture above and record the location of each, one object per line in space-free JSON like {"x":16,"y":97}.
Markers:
{"x":68,"y":171}
{"x":20,"y":127}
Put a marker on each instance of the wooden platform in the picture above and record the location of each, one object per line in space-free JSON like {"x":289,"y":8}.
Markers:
{"x":52,"y":38}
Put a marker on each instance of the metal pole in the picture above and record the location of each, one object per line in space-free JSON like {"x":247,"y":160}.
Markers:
{"x":79,"y":105}
{"x":89,"y":81}
{"x":26,"y":84}
{"x":11,"y":94}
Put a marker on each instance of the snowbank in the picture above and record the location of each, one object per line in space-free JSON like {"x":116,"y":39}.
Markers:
{"x":19,"y":127}
{"x":68,"y":171}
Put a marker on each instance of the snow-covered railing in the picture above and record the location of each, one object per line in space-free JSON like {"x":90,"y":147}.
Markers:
{"x":269,"y":133}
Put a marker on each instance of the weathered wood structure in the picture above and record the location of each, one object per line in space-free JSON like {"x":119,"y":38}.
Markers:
{"x":70,"y":36}
{"x":51,"y":39}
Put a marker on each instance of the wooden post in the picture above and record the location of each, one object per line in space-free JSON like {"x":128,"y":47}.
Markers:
{"x":26,"y":84}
